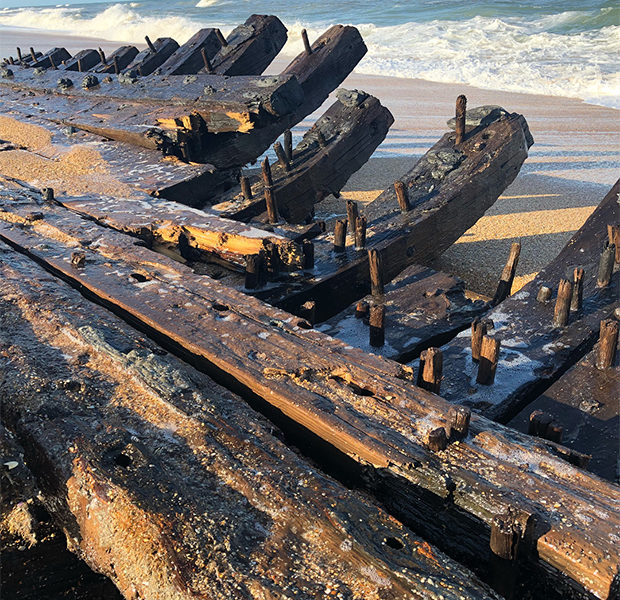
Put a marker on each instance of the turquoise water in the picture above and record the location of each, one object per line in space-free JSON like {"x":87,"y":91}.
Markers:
{"x":561,"y":48}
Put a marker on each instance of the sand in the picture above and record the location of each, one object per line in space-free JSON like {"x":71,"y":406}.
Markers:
{"x":571,"y":166}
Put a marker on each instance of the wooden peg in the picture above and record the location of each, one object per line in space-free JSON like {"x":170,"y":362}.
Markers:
{"x":606,"y":265}
{"x":266,"y":168}
{"x":508,"y":274}
{"x":479,"y":328}
{"x":52,"y":63}
{"x":437,"y":439}
{"x":246,"y":188}
{"x":608,"y":340}
{"x":431,"y":368}
{"x":504,"y":544}
{"x":489,"y":357}
{"x":253,"y":266}
{"x":11,"y":60}
{"x":459,"y":417}
{"x":150,"y":44}
{"x":102,"y":56}
{"x":308,"y":311}
{"x":352,"y":214}
{"x":288,"y":144}
{"x":33,"y":54}
{"x":375,"y":261}
{"x":304,"y":37}
{"x":308,"y":251}
{"x":461,"y":110}
{"x":402,"y":195}
{"x":544,"y":294}
{"x":360,"y":232}
{"x":272,"y":205}
{"x":20,"y":58}
{"x":377,"y":325}
{"x":361,"y":309}
{"x":340,"y":235}
{"x":117,"y":67}
{"x":577,"y":295}
{"x":613,"y":233}
{"x":562,"y":303}
{"x":79,"y":65}
{"x":221,"y":38}
{"x":206,"y":61}
{"x":282,"y":158}
{"x":538,"y":423}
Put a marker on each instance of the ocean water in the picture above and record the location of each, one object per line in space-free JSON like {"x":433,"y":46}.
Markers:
{"x":566,"y":48}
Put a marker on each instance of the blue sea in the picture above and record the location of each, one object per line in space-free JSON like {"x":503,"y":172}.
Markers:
{"x":566,"y":48}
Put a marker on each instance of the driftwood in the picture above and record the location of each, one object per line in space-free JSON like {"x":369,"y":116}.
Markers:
{"x":423,"y":308}
{"x":363,"y":406}
{"x":534,"y":350}
{"x":350,"y":131}
{"x":449,"y":190}
{"x":173,"y":487}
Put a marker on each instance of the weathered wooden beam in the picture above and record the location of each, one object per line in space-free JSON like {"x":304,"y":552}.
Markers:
{"x":536,"y":347}
{"x":118,"y":60}
{"x":52,"y":58}
{"x":169,"y":484}
{"x":189,"y":57}
{"x":449,"y":189}
{"x":250,"y":48}
{"x":84,"y":60}
{"x":363,"y":406}
{"x":153,"y":57}
{"x":353,"y":127}
{"x":424,"y":307}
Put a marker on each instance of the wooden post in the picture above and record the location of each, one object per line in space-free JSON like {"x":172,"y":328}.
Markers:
{"x":253,"y":266}
{"x":508,"y":274}
{"x":308,"y":251}
{"x":272,"y":258}
{"x":267,"y":178}
{"x":352,"y":214}
{"x":544,"y":294}
{"x":402,"y":195}
{"x":221,"y":37}
{"x":79,"y":65}
{"x":360,"y":233}
{"x":102,"y":56}
{"x":459,"y":417}
{"x":206,"y":61}
{"x":562,"y":303}
{"x":375,"y":262}
{"x":33,"y":54}
{"x":48,"y":194}
{"x":538,"y":423}
{"x":340,"y":235}
{"x":489,"y":356}
{"x":608,"y":340}
{"x":361,"y":309}
{"x":117,"y":67}
{"x":504,"y":543}
{"x":11,"y":60}
{"x":437,"y":439}
{"x":377,"y":325}
{"x":272,"y":206}
{"x":613,"y":232}
{"x":431,"y":368}
{"x":19,"y":55}
{"x":304,"y":37}
{"x":246,"y":188}
{"x":577,"y":296}
{"x":461,"y":109}
{"x":606,"y":265}
{"x":308,"y":311}
{"x":282,"y":158}
{"x":150,"y":44}
{"x":288,"y":144}
{"x":479,"y":328}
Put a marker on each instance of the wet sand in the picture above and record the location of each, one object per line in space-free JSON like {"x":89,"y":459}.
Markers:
{"x":571,"y":166}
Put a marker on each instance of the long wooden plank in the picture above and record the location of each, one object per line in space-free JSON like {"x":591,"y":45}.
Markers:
{"x":534,"y":352}
{"x":349,"y":132}
{"x":170,"y":485}
{"x":449,"y":189}
{"x":363,"y":406}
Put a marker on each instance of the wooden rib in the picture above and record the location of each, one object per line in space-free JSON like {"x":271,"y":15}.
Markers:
{"x":188,"y":58}
{"x":147,"y":61}
{"x":120,"y":58}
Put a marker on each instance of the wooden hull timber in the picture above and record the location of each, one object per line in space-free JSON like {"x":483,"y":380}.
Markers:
{"x":534,"y":351}
{"x":364,"y":407}
{"x":175,"y":488}
{"x":146,"y":61}
{"x":188,"y":58}
{"x":119,"y":59}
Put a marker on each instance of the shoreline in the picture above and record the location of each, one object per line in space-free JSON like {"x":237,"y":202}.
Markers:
{"x":573,"y":163}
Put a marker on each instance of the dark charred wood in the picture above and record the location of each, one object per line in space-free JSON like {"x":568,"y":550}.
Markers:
{"x":118,"y":60}
{"x":188,"y":58}
{"x":430,"y":371}
{"x":84,"y":60}
{"x":376,"y":323}
{"x":148,"y":60}
{"x":52,"y":58}
{"x":508,"y":274}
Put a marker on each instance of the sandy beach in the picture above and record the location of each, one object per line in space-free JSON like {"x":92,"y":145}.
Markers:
{"x":572,"y":164}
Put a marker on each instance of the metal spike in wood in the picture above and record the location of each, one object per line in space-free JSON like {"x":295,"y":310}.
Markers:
{"x":508,"y":274}
{"x":577,"y":296}
{"x":613,"y":233}
{"x":375,"y":263}
{"x":360,"y":233}
{"x":33,"y":54}
{"x":102,"y":56}
{"x":246,"y":188}
{"x":402,"y":195}
{"x":361,"y":309}
{"x":562,"y":303}
{"x":307,"y":47}
{"x":489,"y":357}
{"x":272,"y":205}
{"x":544,"y":294}
{"x":206,"y":61}
{"x":459,"y":417}
{"x":607,"y":343}
{"x":461,"y":110}
{"x":340,"y":235}
{"x":479,"y":328}
{"x":431,"y":370}
{"x":266,"y":168}
{"x":352,"y":214}
{"x":220,"y":36}
{"x":377,"y":325}
{"x":606,"y":265}
{"x":437,"y":439}
{"x":150,"y":44}
{"x":288,"y":144}
{"x":282,"y":158}
{"x":117,"y":67}
{"x":253,"y":265}
{"x":308,"y":251}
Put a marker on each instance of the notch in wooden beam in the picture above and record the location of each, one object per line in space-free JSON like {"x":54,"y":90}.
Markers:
{"x":360,"y":232}
{"x":562,"y":303}
{"x":206,"y":61}
{"x":377,"y":325}
{"x":607,"y":342}
{"x":489,"y":357}
{"x":307,"y":47}
{"x":282,"y":158}
{"x":150,"y":44}
{"x":375,"y":262}
{"x":431,"y":369}
{"x":461,"y":110}
{"x":402,"y":195}
{"x":340,"y":235}
{"x":606,"y":265}
{"x":508,"y":274}
{"x":577,"y":294}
